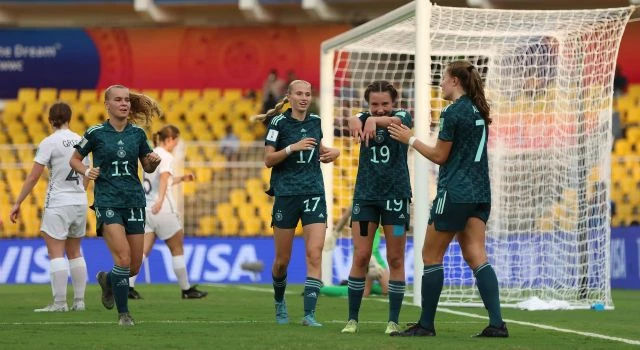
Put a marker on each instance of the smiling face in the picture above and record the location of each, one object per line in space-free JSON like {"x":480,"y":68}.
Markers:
{"x":380,"y":103}
{"x":118,"y":103}
{"x":300,"y":96}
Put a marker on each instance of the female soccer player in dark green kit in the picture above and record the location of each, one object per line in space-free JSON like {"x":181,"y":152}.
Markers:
{"x":293,"y":150}
{"x":463,"y":201}
{"x":116,"y":146}
{"x":381,"y":197}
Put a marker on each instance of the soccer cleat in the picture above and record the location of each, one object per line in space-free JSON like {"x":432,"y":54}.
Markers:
{"x":415,"y":330}
{"x":53,"y":308}
{"x":351,"y":327}
{"x":310,"y":321}
{"x":282,"y":316}
{"x":133,"y":294}
{"x":392,"y":327}
{"x":494,"y":332}
{"x":78,"y":305}
{"x":124,"y":319}
{"x":107,"y":291}
{"x":193,"y":293}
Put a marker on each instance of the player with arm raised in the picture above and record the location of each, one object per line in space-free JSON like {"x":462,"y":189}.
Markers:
{"x":382,"y":196}
{"x":463,"y":201}
{"x":294,"y":150}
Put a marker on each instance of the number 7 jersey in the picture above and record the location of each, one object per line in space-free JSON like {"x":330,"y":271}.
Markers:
{"x":383,"y":172}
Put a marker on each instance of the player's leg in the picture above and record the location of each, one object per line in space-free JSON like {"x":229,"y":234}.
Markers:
{"x":149,"y":240}
{"x":78,"y":271}
{"x":77,"y":264}
{"x":284,"y":219}
{"x":395,"y":220}
{"x":58,"y":271}
{"x":472,"y":244}
{"x":176,"y":245}
{"x":314,"y":224}
{"x":364,"y":223}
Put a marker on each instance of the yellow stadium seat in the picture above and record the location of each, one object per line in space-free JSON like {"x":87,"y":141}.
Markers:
{"x":224,"y":210}
{"x":230,"y":226}
{"x":27,"y":94}
{"x":232,"y":95}
{"x":12,"y":109}
{"x":245,"y":210}
{"x":47,"y":95}
{"x":299,"y":230}
{"x":238,"y":197}
{"x":266,"y":175}
{"x":170,"y":96}
{"x":254,"y":184}
{"x":154,"y":94}
{"x":190,"y":96}
{"x":68,"y":96}
{"x":633,"y":90}
{"x":211,"y":95}
{"x":88,"y":96}
{"x":252,"y":226}
{"x":207,"y":225}
{"x":264,"y":210}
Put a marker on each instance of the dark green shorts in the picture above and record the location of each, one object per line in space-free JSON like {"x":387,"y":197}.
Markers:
{"x":452,"y":217}
{"x":131,"y":218}
{"x":387,"y":212}
{"x":287,"y":210}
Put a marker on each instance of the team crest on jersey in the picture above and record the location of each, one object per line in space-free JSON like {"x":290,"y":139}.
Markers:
{"x":356,"y":209}
{"x":278,"y":216}
{"x":122,"y":153}
{"x":379,"y":136}
{"x":110,"y":213}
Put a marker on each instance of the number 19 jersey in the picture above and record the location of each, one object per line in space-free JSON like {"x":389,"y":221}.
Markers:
{"x":383,"y":172}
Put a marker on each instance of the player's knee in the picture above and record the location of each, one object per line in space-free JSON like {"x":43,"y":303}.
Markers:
{"x":314,"y":258}
{"x":122,"y":259}
{"x":280,"y":266}
{"x":396,"y":262}
{"x":361,"y":259}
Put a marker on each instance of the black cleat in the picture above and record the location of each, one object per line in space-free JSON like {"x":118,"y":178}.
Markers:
{"x":494,"y":332}
{"x":133,"y":294}
{"x":416,"y":330}
{"x":193,"y":293}
{"x":107,"y":291}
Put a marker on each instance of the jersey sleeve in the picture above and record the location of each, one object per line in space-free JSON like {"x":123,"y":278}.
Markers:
{"x":273,"y":132}
{"x":43,"y":154}
{"x":447,"y":126}
{"x":144,"y":148}
{"x":363,"y":117}
{"x":86,"y":144}
{"x":405,"y":118}
{"x":165,"y":165}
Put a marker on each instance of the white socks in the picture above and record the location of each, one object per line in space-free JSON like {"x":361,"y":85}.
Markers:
{"x":59,"y":275}
{"x":180,"y":269}
{"x":132,"y":279}
{"x":78,"y":270}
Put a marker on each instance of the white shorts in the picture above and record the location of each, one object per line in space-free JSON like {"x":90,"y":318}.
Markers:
{"x":164,"y":225}
{"x":65,"y":222}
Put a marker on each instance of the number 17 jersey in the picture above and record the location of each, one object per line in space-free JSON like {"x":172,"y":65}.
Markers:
{"x":383,"y":172}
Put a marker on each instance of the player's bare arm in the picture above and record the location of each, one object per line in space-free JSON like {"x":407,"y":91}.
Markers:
{"x":437,"y":154}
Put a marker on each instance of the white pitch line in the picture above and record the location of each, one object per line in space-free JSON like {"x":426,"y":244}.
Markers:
{"x":66,"y":323}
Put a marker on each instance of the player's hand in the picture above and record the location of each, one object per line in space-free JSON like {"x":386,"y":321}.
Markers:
{"x":153,"y":158}
{"x":94,"y":173}
{"x":188,"y":177}
{"x":306,"y":144}
{"x":369,"y":131}
{"x":156,"y":208}
{"x":355,"y":128}
{"x":328,"y":154}
{"x":15,"y":211}
{"x":400,"y":132}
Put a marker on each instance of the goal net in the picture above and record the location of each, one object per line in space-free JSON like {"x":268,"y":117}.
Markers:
{"x":548,"y":76}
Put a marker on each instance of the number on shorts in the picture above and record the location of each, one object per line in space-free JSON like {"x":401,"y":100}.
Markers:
{"x":315,"y":200}
{"x":397,"y":205}
{"x":133,"y":216}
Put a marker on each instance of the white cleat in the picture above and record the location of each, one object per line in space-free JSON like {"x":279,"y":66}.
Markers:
{"x":53,"y":308}
{"x":78,"y":306}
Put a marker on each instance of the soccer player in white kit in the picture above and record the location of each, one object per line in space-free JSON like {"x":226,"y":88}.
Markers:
{"x":162,"y":215}
{"x":64,"y":221}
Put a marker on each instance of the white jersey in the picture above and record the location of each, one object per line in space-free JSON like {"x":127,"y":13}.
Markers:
{"x":65,"y":185}
{"x":152,"y":182}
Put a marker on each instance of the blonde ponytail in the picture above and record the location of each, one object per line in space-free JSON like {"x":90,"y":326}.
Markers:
{"x":270,"y":113}
{"x":143,"y":108}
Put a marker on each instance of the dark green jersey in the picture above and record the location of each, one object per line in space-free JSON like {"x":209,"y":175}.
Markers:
{"x":117,"y":154}
{"x":382,"y":171}
{"x":299,"y":173}
{"x":465,"y":175}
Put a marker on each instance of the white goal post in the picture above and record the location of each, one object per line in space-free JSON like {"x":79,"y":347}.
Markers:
{"x":549,"y":78}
